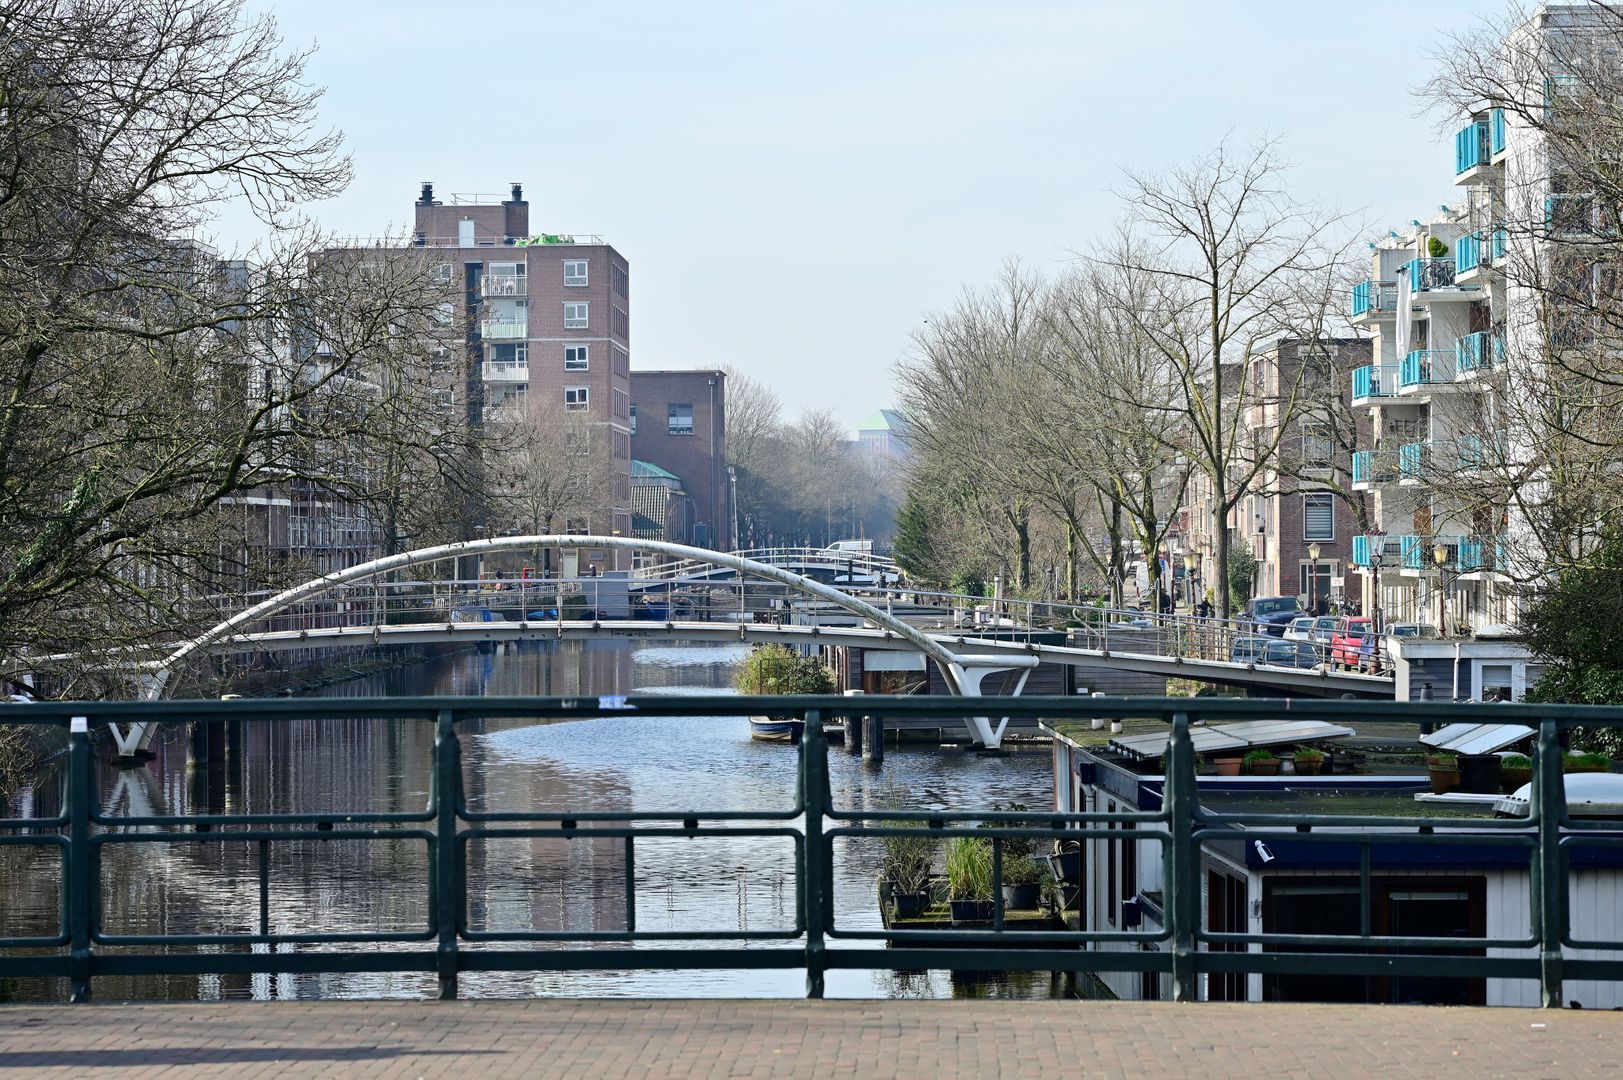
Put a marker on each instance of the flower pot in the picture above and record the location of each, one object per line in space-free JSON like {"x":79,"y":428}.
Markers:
{"x":1115,"y":727}
{"x":910,"y":905}
{"x":1227,"y":766}
{"x":1306,"y":767}
{"x":1270,"y":767}
{"x":1444,"y":779}
{"x":1021,"y":897}
{"x":1512,"y":778}
{"x":969,"y":911}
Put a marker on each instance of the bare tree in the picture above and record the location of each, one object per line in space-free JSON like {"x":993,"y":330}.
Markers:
{"x":1216,"y":260}
{"x":552,"y":465}
{"x":147,"y":384}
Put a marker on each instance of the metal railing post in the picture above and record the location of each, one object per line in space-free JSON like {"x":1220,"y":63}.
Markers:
{"x":1183,"y":863}
{"x":814,"y":792}
{"x":448,"y":892}
{"x":81,"y":796}
{"x":1549,"y":883}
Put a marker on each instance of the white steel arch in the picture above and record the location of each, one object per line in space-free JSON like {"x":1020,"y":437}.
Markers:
{"x":963,"y":672}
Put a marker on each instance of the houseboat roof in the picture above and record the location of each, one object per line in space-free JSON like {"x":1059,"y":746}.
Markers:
{"x":1216,"y":738}
{"x":1471,"y":739}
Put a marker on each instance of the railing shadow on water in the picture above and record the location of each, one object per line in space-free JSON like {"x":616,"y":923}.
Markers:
{"x":81,"y":948}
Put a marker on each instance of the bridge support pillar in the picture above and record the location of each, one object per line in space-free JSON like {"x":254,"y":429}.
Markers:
{"x":853,"y":729}
{"x":873,"y":738}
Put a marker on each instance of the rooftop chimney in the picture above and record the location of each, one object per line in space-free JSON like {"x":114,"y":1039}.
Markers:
{"x":518,"y":191}
{"x":428,"y":194}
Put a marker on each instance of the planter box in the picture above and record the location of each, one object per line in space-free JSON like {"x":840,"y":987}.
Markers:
{"x":968,"y":911}
{"x":1022,"y":897}
{"x":910,"y":905}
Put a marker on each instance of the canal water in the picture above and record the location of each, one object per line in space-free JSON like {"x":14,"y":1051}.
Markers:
{"x":614,"y":763}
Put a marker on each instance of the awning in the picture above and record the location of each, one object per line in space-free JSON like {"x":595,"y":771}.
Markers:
{"x":1248,"y":735}
{"x":1471,"y":739}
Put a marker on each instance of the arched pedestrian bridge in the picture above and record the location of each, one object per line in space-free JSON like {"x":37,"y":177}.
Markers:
{"x":965,"y":657}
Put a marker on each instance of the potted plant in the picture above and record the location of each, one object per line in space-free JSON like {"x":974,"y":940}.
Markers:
{"x":969,"y":879}
{"x":1261,"y":763}
{"x":1227,"y":766}
{"x":1444,"y":770}
{"x":1515,"y":770}
{"x":1309,"y":762}
{"x":778,"y":669}
{"x":1021,"y":872}
{"x":907,"y":867}
{"x":1582,"y":762}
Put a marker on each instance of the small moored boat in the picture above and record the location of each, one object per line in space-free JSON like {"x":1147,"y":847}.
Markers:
{"x":775,"y":729}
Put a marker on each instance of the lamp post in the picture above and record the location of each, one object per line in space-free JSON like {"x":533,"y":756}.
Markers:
{"x":732,"y":500}
{"x":1445,"y":578}
{"x":1376,"y":557}
{"x":1313,"y":578}
{"x":1189,"y":564}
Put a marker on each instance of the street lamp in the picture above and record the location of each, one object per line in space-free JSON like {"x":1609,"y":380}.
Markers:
{"x":1439,"y":555}
{"x":732,"y":500}
{"x":1313,"y":578}
{"x":1189,"y":564}
{"x":1377,"y":556}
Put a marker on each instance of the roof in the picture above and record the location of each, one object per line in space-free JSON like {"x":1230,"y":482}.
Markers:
{"x":649,"y":471}
{"x":884,"y":420}
{"x":1242,"y":736}
{"x":1469,"y":739}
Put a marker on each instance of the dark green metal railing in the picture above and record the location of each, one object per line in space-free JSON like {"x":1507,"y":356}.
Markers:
{"x":80,"y":949}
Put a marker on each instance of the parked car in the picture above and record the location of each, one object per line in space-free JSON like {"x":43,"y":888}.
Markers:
{"x":1300,"y":629}
{"x":1353,"y":645}
{"x":1324,"y":630}
{"x":1412,"y":629}
{"x":1296,"y":654}
{"x":1271,"y":614}
{"x":1249,"y":649}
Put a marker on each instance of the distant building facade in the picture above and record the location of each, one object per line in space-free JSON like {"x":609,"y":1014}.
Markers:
{"x":679,"y":424}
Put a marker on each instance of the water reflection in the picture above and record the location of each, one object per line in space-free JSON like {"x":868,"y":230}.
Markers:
{"x":731,"y":884}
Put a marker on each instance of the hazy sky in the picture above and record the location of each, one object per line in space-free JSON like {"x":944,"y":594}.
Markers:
{"x":797,"y":186}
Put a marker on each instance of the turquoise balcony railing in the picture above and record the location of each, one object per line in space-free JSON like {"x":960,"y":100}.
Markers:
{"x":1429,"y":274}
{"x":1424,"y":367}
{"x":1361,"y":544}
{"x":1569,"y":214}
{"x":1414,"y":552}
{"x":1374,"y":467}
{"x":1471,"y":146}
{"x":1467,"y":253}
{"x":1496,"y":251}
{"x":1374,"y":297}
{"x":1375,"y":380}
{"x":1468,"y":451}
{"x":1411,"y":461}
{"x":1496,"y":132}
{"x":1479,"y":351}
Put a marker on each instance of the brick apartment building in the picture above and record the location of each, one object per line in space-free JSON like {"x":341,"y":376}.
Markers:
{"x":547,"y":318}
{"x":679,"y":425}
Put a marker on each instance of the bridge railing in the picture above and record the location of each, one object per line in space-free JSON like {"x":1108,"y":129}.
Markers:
{"x":816,"y":934}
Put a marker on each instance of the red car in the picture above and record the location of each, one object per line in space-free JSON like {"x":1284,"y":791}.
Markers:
{"x":1353,"y":644}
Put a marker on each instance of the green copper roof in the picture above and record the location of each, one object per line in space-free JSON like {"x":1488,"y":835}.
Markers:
{"x":646,"y":471}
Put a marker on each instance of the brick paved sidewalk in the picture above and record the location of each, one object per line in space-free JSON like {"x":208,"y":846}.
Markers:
{"x":475,"y":1040}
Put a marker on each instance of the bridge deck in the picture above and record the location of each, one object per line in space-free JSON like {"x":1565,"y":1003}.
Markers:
{"x":798,"y":1038}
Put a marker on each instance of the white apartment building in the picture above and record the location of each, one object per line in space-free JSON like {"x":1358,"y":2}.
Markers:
{"x":1459,"y":330}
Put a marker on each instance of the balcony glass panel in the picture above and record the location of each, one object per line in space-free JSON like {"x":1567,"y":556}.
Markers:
{"x":1375,"y":380}
{"x":1372,"y":297}
{"x":504,"y":330}
{"x":1500,"y":237}
{"x":1496,"y":132}
{"x":1471,"y":146}
{"x":1429,"y":274}
{"x":1479,"y":351}
{"x":1411,"y":460}
{"x":1424,"y":367}
{"x":1467,"y":253}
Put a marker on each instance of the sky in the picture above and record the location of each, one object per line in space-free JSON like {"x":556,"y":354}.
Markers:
{"x":798,"y":186}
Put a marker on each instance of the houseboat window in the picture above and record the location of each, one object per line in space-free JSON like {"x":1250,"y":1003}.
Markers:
{"x":1110,"y":869}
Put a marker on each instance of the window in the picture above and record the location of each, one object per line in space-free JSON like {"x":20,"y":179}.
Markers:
{"x":515,"y":356}
{"x":621,"y":323}
{"x":575,"y":316}
{"x":1318,"y":516}
{"x":574,"y":271}
{"x":621,"y":402}
{"x":1129,"y":863}
{"x":1110,"y":867}
{"x":1317,"y":446}
{"x":621,"y":360}
{"x":679,"y":419}
{"x":577,"y":397}
{"x":442,"y":399}
{"x":621,"y":279}
{"x":442,"y":273}
{"x":633,"y":419}
{"x":576,"y":357}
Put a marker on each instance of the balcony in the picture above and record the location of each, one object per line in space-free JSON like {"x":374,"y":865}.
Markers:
{"x":1479,"y":351}
{"x":1427,"y":367}
{"x":1371,"y":467}
{"x":493,"y":285}
{"x":1570,"y":215}
{"x":1412,"y":461}
{"x":1496,"y":132}
{"x":1497,"y":245}
{"x":1467,"y":255}
{"x":1374,"y":299}
{"x":1375,"y":381}
{"x":498,"y":371}
{"x":1365,"y":547}
{"x":1479,"y":553}
{"x":1428,"y":274}
{"x":1472,"y":147}
{"x":505,"y":329}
